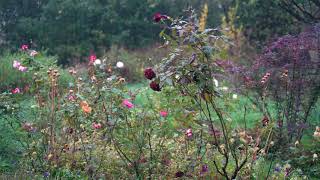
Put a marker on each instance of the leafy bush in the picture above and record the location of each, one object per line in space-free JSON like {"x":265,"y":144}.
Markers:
{"x":97,"y":128}
{"x":289,"y":68}
{"x":10,"y":77}
{"x":134,"y":61}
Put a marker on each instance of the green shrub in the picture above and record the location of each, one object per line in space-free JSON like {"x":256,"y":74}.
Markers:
{"x":11,"y":78}
{"x":134,"y":61}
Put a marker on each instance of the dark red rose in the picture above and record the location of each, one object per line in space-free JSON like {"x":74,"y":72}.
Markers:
{"x":265,"y":121}
{"x":179,"y":174}
{"x":280,"y":123}
{"x":158,"y":17}
{"x":155,"y":86}
{"x":149,"y":73}
{"x":142,"y":160}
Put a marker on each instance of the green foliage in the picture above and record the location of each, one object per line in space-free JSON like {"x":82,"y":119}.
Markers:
{"x":11,"y":78}
{"x":263,"y":20}
{"x":92,"y":125}
{"x":134,"y":61}
{"x":73,"y":28}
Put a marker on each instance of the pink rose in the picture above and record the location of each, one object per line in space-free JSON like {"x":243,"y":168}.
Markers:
{"x":16,"y":64}
{"x":127,"y":103}
{"x":71,"y":97}
{"x":96,"y":125}
{"x":189,"y":133}
{"x":157,"y":17}
{"x":15,"y":91}
{"x":22,"y":68}
{"x":24,"y":47}
{"x":92,"y":58}
{"x":163,"y":113}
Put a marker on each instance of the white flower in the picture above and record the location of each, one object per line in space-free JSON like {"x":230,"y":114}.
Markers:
{"x":315,"y":156}
{"x":120,"y":64}
{"x":97,"y":62}
{"x":271,"y":143}
{"x":234,"y":96}
{"x":216,"y":83}
{"x":109,"y":79}
{"x":225,"y":88}
{"x":33,"y":53}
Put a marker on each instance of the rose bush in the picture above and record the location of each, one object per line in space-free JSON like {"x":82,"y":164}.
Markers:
{"x":177,"y":127}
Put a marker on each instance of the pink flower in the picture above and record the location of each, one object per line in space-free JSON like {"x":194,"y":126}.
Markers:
{"x":15,"y":91}
{"x":28,"y":127}
{"x":163,"y":113}
{"x":92,"y":58}
{"x":16,"y":64}
{"x":96,"y":125}
{"x":33,"y":53}
{"x":71,"y":97}
{"x":22,"y":68}
{"x":127,"y":103}
{"x":24,"y":47}
{"x":158,"y":17}
{"x":189,"y":133}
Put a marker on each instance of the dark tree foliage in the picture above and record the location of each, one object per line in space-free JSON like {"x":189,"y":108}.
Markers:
{"x":263,"y":20}
{"x":74,"y":28}
{"x":306,"y":11}
{"x":293,"y":65}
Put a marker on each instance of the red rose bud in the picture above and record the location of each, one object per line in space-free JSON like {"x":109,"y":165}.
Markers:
{"x":280,"y":123}
{"x":149,"y":73}
{"x":155,"y":86}
{"x":265,"y":121}
{"x":157,"y":17}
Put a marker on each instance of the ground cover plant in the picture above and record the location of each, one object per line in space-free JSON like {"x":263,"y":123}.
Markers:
{"x":196,"y":115}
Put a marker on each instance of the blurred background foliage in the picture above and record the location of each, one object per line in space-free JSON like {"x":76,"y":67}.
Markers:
{"x":68,"y":31}
{"x":74,"y":28}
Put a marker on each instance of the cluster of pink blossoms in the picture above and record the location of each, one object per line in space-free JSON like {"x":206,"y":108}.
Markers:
{"x":163,"y":113}
{"x":127,"y":103}
{"x":189,"y":133}
{"x":15,"y":91}
{"x":17,"y":65}
{"x":25,"y":47}
{"x":96,"y":125}
{"x":265,"y":78}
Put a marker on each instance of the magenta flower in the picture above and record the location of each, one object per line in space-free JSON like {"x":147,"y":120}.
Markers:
{"x":22,"y":68}
{"x":71,"y":97}
{"x":149,"y":73}
{"x":15,"y":91}
{"x":16,"y":64}
{"x":127,"y":103}
{"x":92,"y":58}
{"x":24,"y":47}
{"x":204,"y":169}
{"x":157,"y":17}
{"x":189,"y":133}
{"x":163,"y":113}
{"x":96,"y":125}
